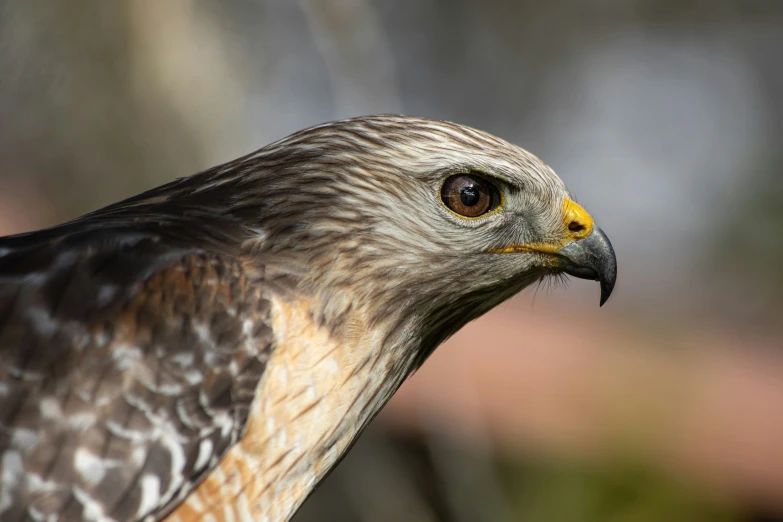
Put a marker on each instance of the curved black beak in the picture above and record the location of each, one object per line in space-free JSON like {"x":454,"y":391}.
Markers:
{"x":591,"y":257}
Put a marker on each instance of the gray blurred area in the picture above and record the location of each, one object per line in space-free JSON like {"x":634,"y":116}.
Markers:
{"x":664,"y":118}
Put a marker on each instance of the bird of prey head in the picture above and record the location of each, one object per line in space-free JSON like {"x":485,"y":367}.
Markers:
{"x":286,"y":294}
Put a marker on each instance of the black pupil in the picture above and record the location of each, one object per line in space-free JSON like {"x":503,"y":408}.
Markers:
{"x":469,"y":195}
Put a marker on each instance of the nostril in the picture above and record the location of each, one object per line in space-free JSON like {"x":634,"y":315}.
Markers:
{"x":577,"y":221}
{"x":576,"y":226}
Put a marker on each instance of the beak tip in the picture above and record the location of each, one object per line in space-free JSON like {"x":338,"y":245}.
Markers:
{"x":607,"y":287}
{"x":604,"y":298}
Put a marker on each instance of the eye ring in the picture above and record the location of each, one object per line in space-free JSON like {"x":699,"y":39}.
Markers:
{"x":469,"y":195}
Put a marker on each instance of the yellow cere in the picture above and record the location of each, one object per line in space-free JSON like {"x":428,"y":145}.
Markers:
{"x":578,"y":224}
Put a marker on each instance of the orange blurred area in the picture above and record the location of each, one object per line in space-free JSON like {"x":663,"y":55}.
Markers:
{"x":704,"y":407}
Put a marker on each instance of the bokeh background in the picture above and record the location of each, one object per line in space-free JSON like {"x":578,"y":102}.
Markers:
{"x":664,"y":117}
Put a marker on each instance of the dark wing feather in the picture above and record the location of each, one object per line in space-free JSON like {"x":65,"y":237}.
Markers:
{"x":127,"y":368}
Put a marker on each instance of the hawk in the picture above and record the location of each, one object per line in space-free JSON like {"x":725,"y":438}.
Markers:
{"x":209,"y":350}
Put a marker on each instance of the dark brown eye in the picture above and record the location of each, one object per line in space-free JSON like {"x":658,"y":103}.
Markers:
{"x":469,"y":196}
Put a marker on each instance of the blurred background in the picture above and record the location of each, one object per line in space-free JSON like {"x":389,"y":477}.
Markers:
{"x":664,"y":117}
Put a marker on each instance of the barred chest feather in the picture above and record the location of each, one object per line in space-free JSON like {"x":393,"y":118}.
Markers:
{"x":314,"y":399}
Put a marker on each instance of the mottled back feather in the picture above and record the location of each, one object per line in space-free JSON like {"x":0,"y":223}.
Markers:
{"x":127,"y":368}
